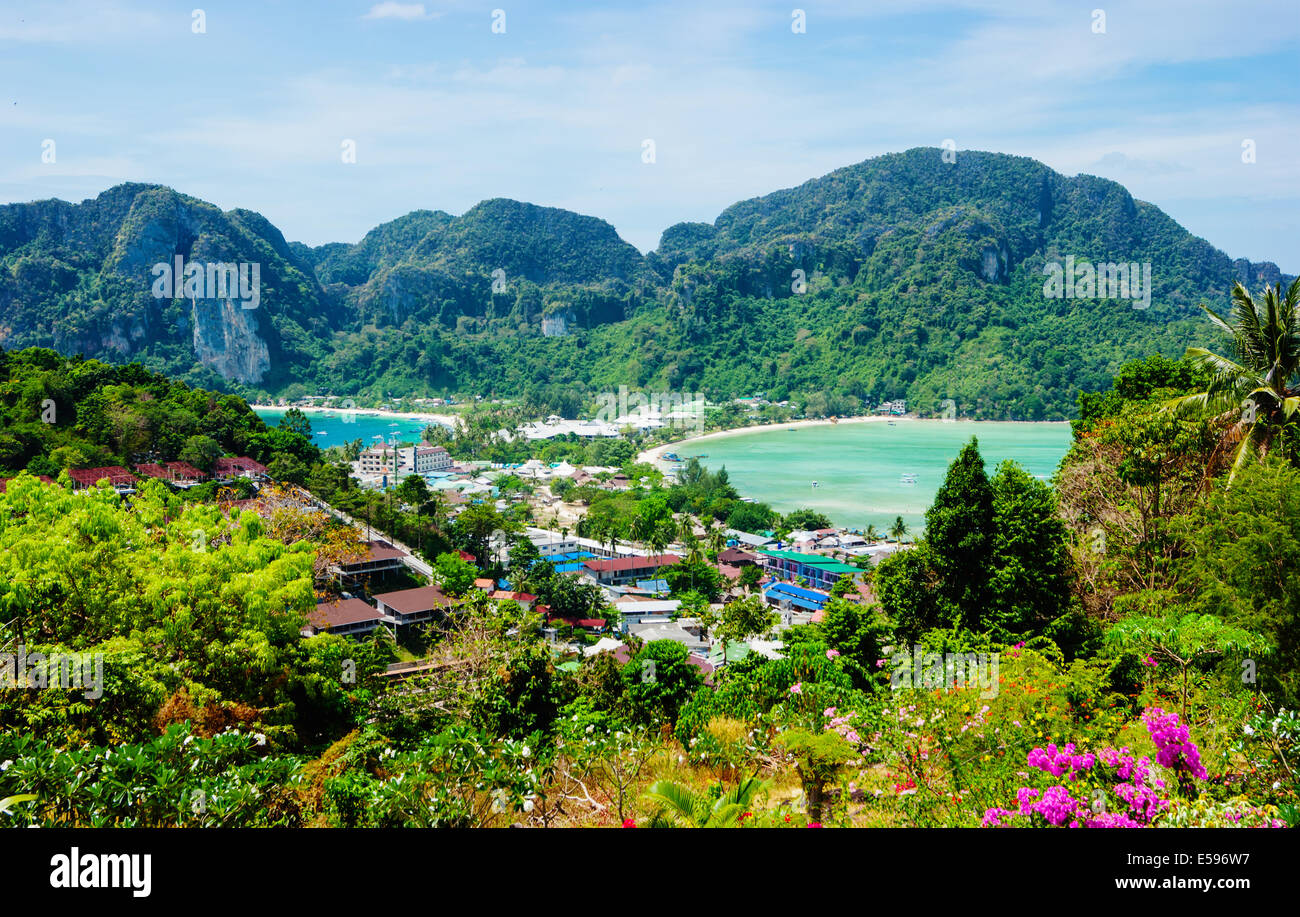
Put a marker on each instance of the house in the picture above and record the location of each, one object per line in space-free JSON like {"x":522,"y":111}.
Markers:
{"x":377,"y":557}
{"x":122,"y":480}
{"x":786,"y":595}
{"x":749,"y":540}
{"x":484,"y":583}
{"x":227,"y":469}
{"x":652,"y":629}
{"x":634,"y":610}
{"x":819,"y":571}
{"x":619,"y":571}
{"x":346,"y":617}
{"x":736,"y":557}
{"x":414,"y":606}
{"x":525,"y":599}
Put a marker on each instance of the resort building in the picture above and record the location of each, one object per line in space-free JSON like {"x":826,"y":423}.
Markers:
{"x":620,"y":571}
{"x":377,"y":557}
{"x":414,"y":606}
{"x":122,"y":480}
{"x":346,"y":617}
{"x":227,"y":469}
{"x":403,"y":460}
{"x":819,"y":571}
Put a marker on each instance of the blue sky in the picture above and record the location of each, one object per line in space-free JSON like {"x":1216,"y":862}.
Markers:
{"x":444,"y":112}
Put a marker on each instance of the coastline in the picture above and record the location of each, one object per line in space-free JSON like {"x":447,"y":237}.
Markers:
{"x":654,"y":456}
{"x":446,"y":420}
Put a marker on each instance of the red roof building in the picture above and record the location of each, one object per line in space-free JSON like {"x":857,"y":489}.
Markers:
{"x":414,"y":606}
{"x":618,"y":571}
{"x":344,"y":616}
{"x":119,"y":477}
{"x":241,"y":466}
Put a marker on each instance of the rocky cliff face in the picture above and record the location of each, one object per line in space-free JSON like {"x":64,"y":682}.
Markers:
{"x":84,"y":278}
{"x":227,"y":340}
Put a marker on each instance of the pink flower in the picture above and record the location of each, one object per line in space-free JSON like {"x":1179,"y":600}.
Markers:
{"x":831,"y":654}
{"x":814,"y":824}
{"x":796,"y":688}
{"x":629,"y":823}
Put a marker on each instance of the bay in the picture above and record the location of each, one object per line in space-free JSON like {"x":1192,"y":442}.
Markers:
{"x":334,"y":429}
{"x":859,"y":467}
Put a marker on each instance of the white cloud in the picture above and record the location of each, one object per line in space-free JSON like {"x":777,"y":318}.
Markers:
{"x":406,"y":11}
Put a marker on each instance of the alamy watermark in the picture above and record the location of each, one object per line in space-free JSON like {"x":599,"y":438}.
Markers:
{"x":1081,"y":280}
{"x":939,"y":671}
{"x":69,"y":671}
{"x":675,"y":410}
{"x":213,"y":280}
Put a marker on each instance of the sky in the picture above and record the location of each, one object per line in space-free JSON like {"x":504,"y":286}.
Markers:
{"x":253,"y":104}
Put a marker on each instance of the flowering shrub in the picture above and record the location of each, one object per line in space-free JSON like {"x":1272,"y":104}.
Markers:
{"x":1120,"y":778}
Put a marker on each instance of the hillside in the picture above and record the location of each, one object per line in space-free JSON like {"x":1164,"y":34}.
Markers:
{"x":922,"y":279}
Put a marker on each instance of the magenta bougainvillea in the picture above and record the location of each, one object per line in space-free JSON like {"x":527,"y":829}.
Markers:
{"x":1128,"y":777}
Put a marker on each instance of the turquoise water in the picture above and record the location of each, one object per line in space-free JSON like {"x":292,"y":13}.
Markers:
{"x":329,"y":429}
{"x":858,"y":466}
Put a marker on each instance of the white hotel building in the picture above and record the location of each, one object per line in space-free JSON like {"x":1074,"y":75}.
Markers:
{"x":395,"y":461}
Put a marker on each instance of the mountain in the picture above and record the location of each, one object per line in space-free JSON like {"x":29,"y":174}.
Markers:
{"x":901,"y":276}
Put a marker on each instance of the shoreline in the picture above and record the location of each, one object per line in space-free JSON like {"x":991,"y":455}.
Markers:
{"x":446,"y":420}
{"x":654,"y":455}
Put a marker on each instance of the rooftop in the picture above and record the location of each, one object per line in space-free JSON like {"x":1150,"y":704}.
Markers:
{"x":341,"y":612}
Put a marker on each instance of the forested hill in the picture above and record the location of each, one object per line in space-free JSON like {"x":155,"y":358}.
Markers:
{"x":902,"y":276}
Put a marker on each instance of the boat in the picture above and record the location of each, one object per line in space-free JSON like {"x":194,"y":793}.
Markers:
{"x":907,"y":478}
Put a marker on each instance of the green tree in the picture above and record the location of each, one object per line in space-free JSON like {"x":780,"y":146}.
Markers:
{"x":201,"y":451}
{"x":958,"y":531}
{"x":454,"y":573}
{"x":295,"y":421}
{"x":660,"y":680}
{"x":1031,"y":581}
{"x":1257,"y":392}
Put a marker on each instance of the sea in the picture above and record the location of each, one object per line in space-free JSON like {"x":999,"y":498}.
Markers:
{"x":861,"y":474}
{"x":331,"y":429}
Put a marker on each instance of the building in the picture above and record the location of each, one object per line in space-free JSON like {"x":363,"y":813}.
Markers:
{"x":122,"y":480}
{"x":735,"y":557}
{"x":414,"y":606}
{"x":525,"y":599}
{"x":227,"y":469}
{"x":377,"y":557}
{"x":819,"y":571}
{"x":619,"y":571}
{"x":346,"y":617}
{"x":403,"y":460}
{"x":179,"y":474}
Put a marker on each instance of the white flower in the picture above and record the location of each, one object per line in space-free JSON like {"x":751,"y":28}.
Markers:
{"x":1248,"y":730}
{"x":261,"y":739}
{"x":526,"y":751}
{"x":528,"y":805}
{"x":4,"y":766}
{"x":1277,"y":785}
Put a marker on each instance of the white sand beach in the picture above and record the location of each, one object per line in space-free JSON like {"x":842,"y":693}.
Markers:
{"x":447,"y":420}
{"x":656,"y":454}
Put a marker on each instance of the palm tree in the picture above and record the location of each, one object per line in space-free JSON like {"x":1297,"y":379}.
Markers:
{"x":898,"y":529}
{"x":679,"y":805}
{"x":717,"y":540}
{"x":871,"y":534}
{"x":1258,"y":389}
